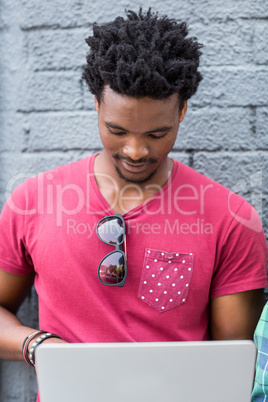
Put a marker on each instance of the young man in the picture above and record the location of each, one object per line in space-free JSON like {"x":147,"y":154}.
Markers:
{"x":260,"y":389}
{"x":196,"y":252}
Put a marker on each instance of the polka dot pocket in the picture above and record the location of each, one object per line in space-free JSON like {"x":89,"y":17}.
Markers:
{"x":165,"y":279}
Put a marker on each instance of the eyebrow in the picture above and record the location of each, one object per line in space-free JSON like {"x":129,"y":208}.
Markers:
{"x":155,"y":130}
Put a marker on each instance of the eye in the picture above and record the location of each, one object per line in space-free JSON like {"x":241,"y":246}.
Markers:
{"x":157,"y":137}
{"x":118,"y":133}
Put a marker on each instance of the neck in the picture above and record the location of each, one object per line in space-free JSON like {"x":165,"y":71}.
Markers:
{"x":123,"y":196}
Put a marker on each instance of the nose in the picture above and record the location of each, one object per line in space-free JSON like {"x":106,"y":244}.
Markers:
{"x":135,"y":148}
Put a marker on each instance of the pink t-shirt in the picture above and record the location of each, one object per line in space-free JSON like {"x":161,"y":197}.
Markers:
{"x":193,"y":241}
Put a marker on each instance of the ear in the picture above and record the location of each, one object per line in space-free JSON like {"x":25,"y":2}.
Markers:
{"x":97,"y":104}
{"x":183,"y":111}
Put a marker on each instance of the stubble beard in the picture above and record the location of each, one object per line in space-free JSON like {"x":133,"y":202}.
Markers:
{"x":135,"y":181}
{"x":142,"y":160}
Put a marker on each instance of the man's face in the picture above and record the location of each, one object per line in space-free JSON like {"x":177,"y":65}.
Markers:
{"x":138,"y":134}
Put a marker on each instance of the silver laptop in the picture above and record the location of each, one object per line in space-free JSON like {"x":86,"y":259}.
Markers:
{"x":210,"y":371}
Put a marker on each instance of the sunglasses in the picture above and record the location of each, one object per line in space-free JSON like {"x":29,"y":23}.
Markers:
{"x":112,"y":270}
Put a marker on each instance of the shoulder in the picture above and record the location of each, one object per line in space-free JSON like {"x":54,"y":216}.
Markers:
{"x":188,"y":175}
{"x":210,"y":192}
{"x":27,"y":195}
{"x":60,"y":174}
{"x":219,"y":204}
{"x":66,"y":172}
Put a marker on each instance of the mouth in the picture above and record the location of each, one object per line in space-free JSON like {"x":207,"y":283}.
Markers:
{"x":137,"y":168}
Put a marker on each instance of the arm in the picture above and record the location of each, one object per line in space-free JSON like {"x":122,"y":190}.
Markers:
{"x":235,"y":316}
{"x":13,"y":290}
{"x":260,"y":389}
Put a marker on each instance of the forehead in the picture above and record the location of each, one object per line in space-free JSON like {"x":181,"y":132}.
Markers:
{"x":117,"y":106}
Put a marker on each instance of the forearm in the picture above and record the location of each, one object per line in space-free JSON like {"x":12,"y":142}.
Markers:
{"x":12,"y":335}
{"x":13,"y":289}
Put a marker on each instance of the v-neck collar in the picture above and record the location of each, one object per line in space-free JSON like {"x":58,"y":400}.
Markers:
{"x":133,"y":211}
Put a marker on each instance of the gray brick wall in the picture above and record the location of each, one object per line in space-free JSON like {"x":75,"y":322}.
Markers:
{"x":47,"y":116}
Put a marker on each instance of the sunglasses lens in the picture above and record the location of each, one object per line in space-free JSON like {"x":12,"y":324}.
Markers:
{"x":112,"y":268}
{"x":111,"y":230}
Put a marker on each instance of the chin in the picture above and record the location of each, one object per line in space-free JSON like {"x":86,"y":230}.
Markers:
{"x":135,"y":178}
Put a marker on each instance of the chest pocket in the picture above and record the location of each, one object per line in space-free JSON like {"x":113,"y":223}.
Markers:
{"x":165,"y":279}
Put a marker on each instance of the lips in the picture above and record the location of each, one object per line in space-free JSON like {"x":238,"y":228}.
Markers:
{"x":139,"y":168}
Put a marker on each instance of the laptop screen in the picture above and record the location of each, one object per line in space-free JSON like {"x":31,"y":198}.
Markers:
{"x":209,"y":371}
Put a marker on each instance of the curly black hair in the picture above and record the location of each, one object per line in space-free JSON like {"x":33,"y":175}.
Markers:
{"x":143,"y":55}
